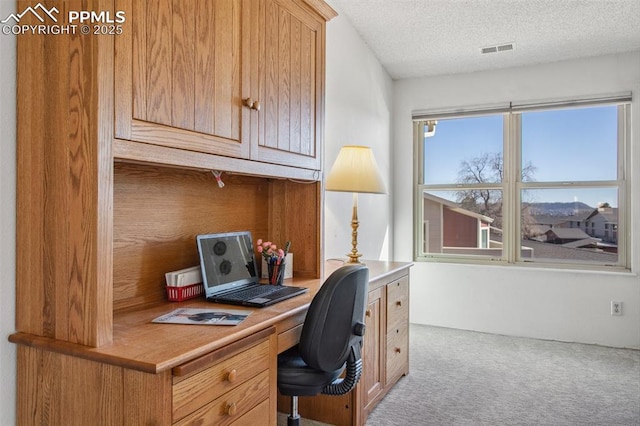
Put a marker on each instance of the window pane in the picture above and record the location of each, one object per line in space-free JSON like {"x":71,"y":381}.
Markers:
{"x":464,"y":150}
{"x":462,"y":222}
{"x":570,"y":145}
{"x":574,"y":225}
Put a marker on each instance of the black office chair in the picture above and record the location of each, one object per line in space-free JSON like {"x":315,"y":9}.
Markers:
{"x":330,"y":342}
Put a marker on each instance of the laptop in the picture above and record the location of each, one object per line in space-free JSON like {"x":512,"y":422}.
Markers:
{"x":230,"y":275}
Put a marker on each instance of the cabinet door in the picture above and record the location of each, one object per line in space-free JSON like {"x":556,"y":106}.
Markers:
{"x":179,"y":77}
{"x":287,"y":58}
{"x":372,"y":372}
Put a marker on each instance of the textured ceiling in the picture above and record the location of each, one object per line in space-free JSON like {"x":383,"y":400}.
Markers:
{"x":414,"y":38}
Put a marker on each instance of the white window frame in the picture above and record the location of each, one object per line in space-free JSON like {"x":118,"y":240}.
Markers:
{"x":512,"y":186}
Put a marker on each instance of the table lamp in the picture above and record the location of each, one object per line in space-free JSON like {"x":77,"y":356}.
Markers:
{"x":355,"y":170}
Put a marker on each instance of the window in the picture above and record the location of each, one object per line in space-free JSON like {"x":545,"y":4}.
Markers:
{"x":539,"y":184}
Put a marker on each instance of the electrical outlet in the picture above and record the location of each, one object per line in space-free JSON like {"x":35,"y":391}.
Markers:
{"x":616,"y":308}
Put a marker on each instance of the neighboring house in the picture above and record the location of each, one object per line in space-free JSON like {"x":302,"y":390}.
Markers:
{"x":601,"y":223}
{"x":451,"y":229}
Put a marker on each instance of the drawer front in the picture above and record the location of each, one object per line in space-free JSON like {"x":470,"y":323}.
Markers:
{"x":231,"y":407}
{"x":398,"y":302}
{"x":259,"y":415}
{"x":201,"y":388}
{"x":397,"y":353}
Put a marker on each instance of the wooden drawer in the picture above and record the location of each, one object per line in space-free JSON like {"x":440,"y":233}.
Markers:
{"x":397,"y":352}
{"x":257,"y":416}
{"x":398,"y":302}
{"x":232,"y":407}
{"x":205,"y":386}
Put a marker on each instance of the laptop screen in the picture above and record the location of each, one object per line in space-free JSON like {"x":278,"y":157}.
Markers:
{"x":227,"y":261}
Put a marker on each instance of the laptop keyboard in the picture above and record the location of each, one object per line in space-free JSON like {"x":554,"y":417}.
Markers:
{"x":252,"y":292}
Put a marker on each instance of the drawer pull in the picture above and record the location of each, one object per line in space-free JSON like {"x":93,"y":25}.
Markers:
{"x":368,"y":312}
{"x":232,"y":409}
{"x":232,"y":376}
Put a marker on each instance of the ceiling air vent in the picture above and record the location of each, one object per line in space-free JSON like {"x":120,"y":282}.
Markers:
{"x":499,"y":48}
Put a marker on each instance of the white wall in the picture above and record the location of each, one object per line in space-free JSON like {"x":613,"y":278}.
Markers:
{"x":358,"y":110}
{"x":7,"y":221}
{"x":549,"y":304}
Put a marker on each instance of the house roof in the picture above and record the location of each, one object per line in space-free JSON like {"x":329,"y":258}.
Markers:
{"x":551,"y":220}
{"x":582,"y":243}
{"x":554,"y":251}
{"x":569,"y":233}
{"x":454,"y":206}
{"x":609,"y":214}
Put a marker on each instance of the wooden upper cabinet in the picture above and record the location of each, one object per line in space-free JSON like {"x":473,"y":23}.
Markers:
{"x":239,"y":78}
{"x":287,"y":65}
{"x":179,"y":78}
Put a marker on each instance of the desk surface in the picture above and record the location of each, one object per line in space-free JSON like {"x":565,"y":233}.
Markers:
{"x":142,"y":345}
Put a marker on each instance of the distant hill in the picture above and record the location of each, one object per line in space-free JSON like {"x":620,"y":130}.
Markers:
{"x":559,"y":209}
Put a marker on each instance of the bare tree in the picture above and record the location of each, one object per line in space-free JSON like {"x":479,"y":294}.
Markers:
{"x":488,"y":168}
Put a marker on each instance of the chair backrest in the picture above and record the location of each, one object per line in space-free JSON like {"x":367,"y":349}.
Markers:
{"x":335,"y":319}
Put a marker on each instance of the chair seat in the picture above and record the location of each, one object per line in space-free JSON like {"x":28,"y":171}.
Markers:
{"x":297,"y":378}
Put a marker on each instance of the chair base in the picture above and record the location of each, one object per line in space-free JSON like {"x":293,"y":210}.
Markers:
{"x":293,"y":421}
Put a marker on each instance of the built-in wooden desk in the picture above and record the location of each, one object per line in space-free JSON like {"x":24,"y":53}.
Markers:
{"x":176,"y":374}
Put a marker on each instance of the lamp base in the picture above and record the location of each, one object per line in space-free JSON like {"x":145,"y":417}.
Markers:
{"x":353,"y":258}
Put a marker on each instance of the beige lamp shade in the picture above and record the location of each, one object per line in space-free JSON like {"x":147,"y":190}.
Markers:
{"x":355,"y":170}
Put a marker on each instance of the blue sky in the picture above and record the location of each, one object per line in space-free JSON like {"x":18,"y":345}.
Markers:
{"x":563,"y":145}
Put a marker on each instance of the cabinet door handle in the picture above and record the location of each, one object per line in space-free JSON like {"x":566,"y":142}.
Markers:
{"x":250,"y":103}
{"x":232,"y":375}
{"x":399,"y":303}
{"x":232,"y":409}
{"x":368,"y":312}
{"x":398,"y":350}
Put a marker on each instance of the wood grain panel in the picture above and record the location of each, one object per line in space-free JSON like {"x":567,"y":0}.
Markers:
{"x":260,"y":414}
{"x":139,"y":63}
{"x":284,"y":80}
{"x":146,"y":398}
{"x":183,"y":64}
{"x":157,"y":214}
{"x":307,"y":93}
{"x":227,"y":76}
{"x":205,"y":66}
{"x":296,"y":95}
{"x":272,"y":96}
{"x":61,"y":156}
{"x":67,"y":390}
{"x":159,"y":59}
{"x":302,"y":201}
